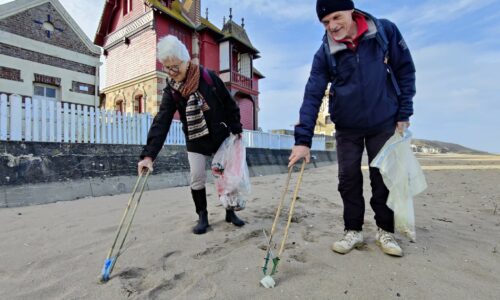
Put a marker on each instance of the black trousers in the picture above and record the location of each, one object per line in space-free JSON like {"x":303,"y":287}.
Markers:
{"x":350,"y":147}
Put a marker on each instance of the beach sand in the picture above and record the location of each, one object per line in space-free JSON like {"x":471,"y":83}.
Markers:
{"x":56,"y":251}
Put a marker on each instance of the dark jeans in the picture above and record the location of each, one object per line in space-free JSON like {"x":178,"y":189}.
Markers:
{"x":350,"y":148}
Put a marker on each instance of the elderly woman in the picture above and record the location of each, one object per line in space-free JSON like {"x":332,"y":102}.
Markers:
{"x":208,"y":114}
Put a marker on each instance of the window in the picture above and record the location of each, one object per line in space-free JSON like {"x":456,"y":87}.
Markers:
{"x":127,"y":6}
{"x":119,"y":105}
{"x":138,"y":104}
{"x":45,"y":91}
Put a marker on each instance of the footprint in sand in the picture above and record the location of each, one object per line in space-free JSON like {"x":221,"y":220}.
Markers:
{"x":230,"y":243}
{"x":300,"y":257}
{"x":308,"y":236}
{"x":132,"y":280}
{"x":208,"y":252}
{"x":164,"y":286}
{"x":165,"y":257}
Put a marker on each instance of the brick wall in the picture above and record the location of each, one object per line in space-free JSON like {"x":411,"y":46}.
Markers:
{"x":45,"y":59}
{"x":125,"y":62}
{"x":10,"y":74}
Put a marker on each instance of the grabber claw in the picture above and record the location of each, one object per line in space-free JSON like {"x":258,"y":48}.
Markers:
{"x":112,"y":257}
{"x":268,"y":281}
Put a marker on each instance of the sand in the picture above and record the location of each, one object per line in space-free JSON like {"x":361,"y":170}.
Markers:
{"x":56,"y":251}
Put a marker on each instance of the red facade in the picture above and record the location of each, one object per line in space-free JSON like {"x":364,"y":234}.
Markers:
{"x":129,"y":32}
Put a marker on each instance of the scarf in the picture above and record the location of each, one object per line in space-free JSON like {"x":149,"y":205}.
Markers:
{"x":196,"y":104}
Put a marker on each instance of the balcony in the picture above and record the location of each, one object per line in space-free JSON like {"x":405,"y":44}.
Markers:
{"x":237,"y":79}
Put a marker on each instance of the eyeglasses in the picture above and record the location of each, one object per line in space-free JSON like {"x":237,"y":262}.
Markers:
{"x":172,"y":69}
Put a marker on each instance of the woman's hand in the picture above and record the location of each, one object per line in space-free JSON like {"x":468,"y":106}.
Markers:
{"x":146,"y":163}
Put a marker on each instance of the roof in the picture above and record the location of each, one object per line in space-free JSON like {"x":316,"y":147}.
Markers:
{"x":256,"y":72}
{"x":207,"y":24}
{"x":15,"y":7}
{"x":175,"y":12}
{"x":231,"y":30}
{"x":110,"y":5}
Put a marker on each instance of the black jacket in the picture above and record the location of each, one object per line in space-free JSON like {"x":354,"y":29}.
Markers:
{"x":222,"y":117}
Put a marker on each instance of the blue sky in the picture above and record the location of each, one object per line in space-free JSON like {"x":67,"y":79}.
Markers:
{"x":455,"y":45}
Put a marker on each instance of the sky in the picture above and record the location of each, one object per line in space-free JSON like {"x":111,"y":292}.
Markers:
{"x":455,"y":45}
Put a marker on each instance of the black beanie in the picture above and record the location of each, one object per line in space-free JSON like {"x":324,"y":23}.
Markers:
{"x":326,"y":7}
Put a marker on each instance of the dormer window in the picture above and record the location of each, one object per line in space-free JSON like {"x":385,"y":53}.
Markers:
{"x":127,"y":6}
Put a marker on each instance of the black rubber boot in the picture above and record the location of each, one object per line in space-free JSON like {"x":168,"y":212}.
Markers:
{"x":231,"y":217}
{"x":200,"y":202}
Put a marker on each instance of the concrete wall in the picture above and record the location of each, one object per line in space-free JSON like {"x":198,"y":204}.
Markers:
{"x":37,"y":173}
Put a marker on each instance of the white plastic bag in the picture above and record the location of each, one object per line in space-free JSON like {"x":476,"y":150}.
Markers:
{"x":229,"y":166}
{"x":403,"y":177}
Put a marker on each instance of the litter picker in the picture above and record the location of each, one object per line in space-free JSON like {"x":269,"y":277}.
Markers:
{"x":112,"y":257}
{"x":268,"y":281}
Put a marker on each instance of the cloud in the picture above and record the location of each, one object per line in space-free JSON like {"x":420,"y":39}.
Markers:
{"x":437,"y":11}
{"x":291,"y":10}
{"x":458,"y":98}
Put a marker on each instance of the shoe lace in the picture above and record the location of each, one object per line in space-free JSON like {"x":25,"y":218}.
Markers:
{"x":387,"y":238}
{"x":349,"y":236}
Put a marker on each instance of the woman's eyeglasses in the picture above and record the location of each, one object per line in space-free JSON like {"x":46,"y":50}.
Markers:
{"x":172,"y":69}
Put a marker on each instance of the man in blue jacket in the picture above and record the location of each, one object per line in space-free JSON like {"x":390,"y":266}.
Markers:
{"x":372,"y":79}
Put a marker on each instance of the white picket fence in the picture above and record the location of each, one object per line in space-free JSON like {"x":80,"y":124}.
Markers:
{"x":42,"y":120}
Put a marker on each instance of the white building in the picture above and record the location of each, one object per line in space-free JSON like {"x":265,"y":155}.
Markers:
{"x":44,"y":53}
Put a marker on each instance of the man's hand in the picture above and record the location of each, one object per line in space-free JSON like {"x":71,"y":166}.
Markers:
{"x":146,"y":163}
{"x":402,"y":126}
{"x":299,"y":152}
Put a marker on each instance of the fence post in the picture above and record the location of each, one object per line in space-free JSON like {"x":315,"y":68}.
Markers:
{"x":109,"y":137}
{"x":43,"y":116}
{"x":125,"y":128}
{"x":92,"y":125}
{"x":52,"y":123}
{"x":119,"y":124}
{"x":3,"y":117}
{"x":73,"y":123}
{"x":79,"y":124}
{"x":98,"y":137}
{"x":59,"y":120}
{"x":85,"y":124}
{"x":36,"y":119}
{"x":16,"y":118}
{"x":144,"y":127}
{"x":66,"y":124}
{"x":27,"y":120}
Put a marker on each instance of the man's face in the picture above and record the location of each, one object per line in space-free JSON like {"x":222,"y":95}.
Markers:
{"x":338,"y":24}
{"x":175,"y":68}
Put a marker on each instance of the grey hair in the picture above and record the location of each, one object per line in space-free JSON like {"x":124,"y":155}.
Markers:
{"x":170,"y":47}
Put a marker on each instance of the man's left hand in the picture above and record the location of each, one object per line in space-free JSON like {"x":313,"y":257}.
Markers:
{"x":402,"y":126}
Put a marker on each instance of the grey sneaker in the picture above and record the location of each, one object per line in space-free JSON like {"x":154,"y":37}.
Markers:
{"x":351,"y":239}
{"x":386,"y":241}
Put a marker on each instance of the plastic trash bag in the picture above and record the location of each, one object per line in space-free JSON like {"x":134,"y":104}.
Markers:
{"x":404,"y":178}
{"x":229,"y":167}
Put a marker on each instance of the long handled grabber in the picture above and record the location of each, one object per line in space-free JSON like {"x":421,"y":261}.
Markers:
{"x":268,"y":281}
{"x":111,"y":259}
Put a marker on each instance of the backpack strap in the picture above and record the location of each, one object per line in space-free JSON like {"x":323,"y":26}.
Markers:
{"x":382,"y":40}
{"x":208,"y":79}
{"x":331,"y":61}
{"x":206,"y":76}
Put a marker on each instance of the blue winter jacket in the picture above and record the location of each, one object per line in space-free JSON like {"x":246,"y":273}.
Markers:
{"x":364,"y":95}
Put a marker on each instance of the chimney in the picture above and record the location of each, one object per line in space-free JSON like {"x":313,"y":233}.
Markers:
{"x":192,"y":9}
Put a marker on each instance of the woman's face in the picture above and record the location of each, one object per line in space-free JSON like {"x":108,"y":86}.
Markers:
{"x":175,"y":68}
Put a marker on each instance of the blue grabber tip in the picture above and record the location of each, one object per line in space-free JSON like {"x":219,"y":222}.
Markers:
{"x":106,"y":269}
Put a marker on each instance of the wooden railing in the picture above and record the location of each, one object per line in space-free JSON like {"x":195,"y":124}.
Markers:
{"x":241,"y":80}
